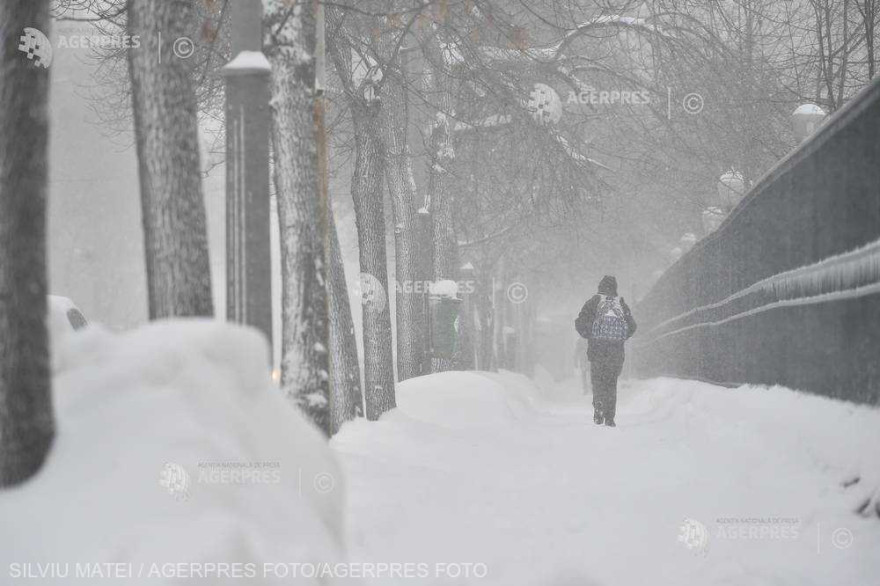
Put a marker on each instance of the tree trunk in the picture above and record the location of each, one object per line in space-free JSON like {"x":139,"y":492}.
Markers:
{"x":869,"y":16}
{"x":166,"y":132}
{"x":485,"y":301}
{"x":367,"y":194}
{"x":467,"y":356}
{"x":26,"y":423}
{"x":346,"y":399}
{"x":445,"y":244}
{"x":402,"y":188}
{"x":302,"y":214}
{"x":499,"y":317}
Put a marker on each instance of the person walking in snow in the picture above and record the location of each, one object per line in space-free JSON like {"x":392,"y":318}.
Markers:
{"x":607,"y":323}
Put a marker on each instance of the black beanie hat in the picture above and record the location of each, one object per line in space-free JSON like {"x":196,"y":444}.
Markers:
{"x":608,"y":285}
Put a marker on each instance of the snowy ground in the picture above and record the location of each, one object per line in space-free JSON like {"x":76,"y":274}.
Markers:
{"x":176,"y":462}
{"x":488,"y":469}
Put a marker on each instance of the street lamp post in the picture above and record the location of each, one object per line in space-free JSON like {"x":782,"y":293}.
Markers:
{"x":248,"y":249}
{"x":712,"y":217}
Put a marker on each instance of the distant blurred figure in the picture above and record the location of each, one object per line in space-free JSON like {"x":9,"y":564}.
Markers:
{"x":607,"y":323}
{"x":583,"y":363}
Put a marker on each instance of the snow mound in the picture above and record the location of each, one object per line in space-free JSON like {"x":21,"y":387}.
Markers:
{"x":466,"y":399}
{"x":63,"y":318}
{"x":772,"y":477}
{"x":173,"y":447}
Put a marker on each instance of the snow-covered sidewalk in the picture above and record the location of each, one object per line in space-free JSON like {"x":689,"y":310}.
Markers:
{"x":697,"y":485}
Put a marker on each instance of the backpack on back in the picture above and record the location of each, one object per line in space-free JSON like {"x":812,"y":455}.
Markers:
{"x":610,"y":323}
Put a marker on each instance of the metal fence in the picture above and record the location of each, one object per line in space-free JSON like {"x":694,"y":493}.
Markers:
{"x":787,"y":290}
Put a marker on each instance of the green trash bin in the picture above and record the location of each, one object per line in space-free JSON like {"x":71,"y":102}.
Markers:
{"x":445,"y":315}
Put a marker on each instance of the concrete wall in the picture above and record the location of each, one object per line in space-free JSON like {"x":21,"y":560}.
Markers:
{"x":787,"y":291}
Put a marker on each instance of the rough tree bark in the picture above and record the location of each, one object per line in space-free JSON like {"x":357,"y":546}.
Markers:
{"x":347,"y":400}
{"x":166,"y":133}
{"x":486,"y":316}
{"x":445,"y":253}
{"x":402,"y":188}
{"x":26,"y":423}
{"x":302,"y":214}
{"x":366,"y":191}
{"x":394,"y":124}
{"x":445,"y":244}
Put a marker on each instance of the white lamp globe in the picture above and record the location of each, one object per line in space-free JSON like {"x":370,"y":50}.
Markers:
{"x":806,"y":119}
{"x":731,"y":188}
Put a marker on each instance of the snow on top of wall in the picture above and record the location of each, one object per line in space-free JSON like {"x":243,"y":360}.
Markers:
{"x":842,"y":276}
{"x":172,"y":446}
{"x":447,"y":289}
{"x":248,"y":61}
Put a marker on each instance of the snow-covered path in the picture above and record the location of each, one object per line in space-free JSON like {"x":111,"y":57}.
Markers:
{"x":488,"y":469}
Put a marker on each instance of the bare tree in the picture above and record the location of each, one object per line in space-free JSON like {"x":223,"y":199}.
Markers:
{"x":394,"y":124}
{"x":166,"y":133}
{"x":869,"y":11}
{"x":26,"y":422}
{"x":367,"y":194}
{"x":346,"y":401}
{"x":290,"y":37}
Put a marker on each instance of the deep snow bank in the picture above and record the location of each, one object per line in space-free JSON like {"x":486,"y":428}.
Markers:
{"x":172,"y":447}
{"x":466,"y":399}
{"x":492,"y":470}
{"x":840,"y":438}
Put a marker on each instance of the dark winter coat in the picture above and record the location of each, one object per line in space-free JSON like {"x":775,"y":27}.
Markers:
{"x":606,"y":350}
